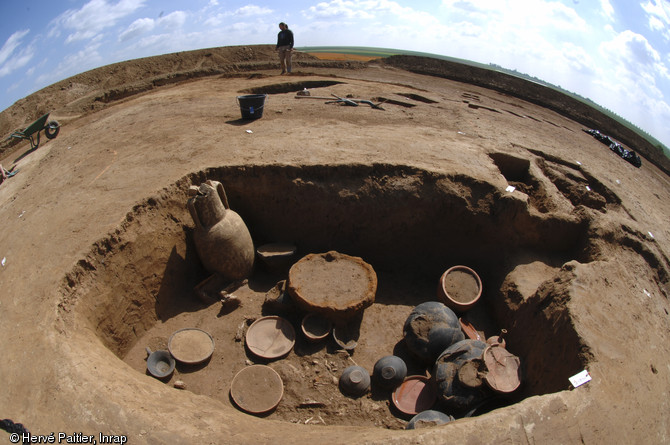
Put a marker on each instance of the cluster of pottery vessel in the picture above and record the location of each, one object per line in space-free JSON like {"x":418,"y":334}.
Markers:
{"x":189,"y":346}
{"x":464,"y":370}
{"x":389,"y":372}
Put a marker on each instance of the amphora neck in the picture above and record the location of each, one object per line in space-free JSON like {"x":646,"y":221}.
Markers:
{"x":209,"y":206}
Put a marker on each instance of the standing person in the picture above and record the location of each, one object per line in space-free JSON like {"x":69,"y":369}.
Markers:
{"x":285,"y":47}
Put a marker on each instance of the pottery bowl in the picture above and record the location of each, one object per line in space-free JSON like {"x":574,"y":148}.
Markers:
{"x":354,"y":381}
{"x":459,"y":288}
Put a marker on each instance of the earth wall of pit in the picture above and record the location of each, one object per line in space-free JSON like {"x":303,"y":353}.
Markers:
{"x":402,"y":220}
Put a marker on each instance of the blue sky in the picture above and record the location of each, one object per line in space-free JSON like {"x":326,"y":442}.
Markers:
{"x":615,"y":52}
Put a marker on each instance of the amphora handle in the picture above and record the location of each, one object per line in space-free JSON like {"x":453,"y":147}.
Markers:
{"x":194,"y":214}
{"x":222,"y":194}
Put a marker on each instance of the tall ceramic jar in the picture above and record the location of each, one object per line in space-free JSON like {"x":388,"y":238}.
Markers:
{"x":222,"y":240}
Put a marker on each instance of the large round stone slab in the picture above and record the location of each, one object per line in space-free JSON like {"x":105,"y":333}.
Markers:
{"x":333,"y":284}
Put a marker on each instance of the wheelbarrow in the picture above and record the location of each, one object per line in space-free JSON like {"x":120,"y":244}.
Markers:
{"x":32,"y":131}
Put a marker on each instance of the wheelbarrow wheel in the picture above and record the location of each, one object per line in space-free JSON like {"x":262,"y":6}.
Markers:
{"x":52,"y":129}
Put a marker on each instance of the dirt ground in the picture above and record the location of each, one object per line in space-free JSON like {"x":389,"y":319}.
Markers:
{"x":98,"y":261}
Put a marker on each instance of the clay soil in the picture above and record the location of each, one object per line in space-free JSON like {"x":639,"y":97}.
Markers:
{"x":98,"y":261}
{"x":461,"y":286}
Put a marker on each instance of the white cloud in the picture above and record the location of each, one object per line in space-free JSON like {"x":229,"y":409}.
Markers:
{"x":658,"y":14}
{"x":634,"y":52}
{"x":87,"y":58}
{"x":15,"y":63}
{"x":636,"y":102}
{"x":342,"y":9}
{"x":530,"y":14}
{"x":467,"y":29}
{"x":607,"y":9}
{"x":476,"y":9}
{"x":151,"y":44}
{"x":534,"y":37}
{"x":173,"y":20}
{"x":631,"y":86}
{"x":369,"y":10}
{"x":252,"y":10}
{"x":137,"y":28}
{"x":10,"y":58}
{"x":245,"y":12}
{"x":93,"y":17}
{"x":577,"y":59}
{"x":215,"y":21}
{"x":11,"y":44}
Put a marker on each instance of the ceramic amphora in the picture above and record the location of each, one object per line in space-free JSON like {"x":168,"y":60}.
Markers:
{"x":222,"y":239}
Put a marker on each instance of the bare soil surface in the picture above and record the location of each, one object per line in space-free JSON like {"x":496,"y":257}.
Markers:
{"x":98,"y":259}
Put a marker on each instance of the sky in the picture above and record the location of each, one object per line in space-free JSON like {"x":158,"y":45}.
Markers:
{"x":614,"y":52}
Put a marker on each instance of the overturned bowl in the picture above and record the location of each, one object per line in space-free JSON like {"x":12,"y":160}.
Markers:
{"x":354,"y":381}
{"x":390,"y":371}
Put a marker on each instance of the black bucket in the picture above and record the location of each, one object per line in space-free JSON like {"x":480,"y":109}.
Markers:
{"x":252,"y":105}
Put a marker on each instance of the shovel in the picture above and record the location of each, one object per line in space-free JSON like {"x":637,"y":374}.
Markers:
{"x":349,"y":102}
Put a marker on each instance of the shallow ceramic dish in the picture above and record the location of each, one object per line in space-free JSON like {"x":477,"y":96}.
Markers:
{"x":270,"y":337}
{"x":257,"y":389}
{"x":416,"y":394}
{"x":504,"y":368}
{"x":191,"y":345}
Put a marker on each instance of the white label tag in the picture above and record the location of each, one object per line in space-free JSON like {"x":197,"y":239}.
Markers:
{"x":580,"y":379}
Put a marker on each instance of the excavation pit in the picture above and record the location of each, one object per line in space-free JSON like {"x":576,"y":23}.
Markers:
{"x":290,"y":87}
{"x":136,"y":286}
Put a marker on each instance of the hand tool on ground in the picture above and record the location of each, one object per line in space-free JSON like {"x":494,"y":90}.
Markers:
{"x":357,"y":101}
